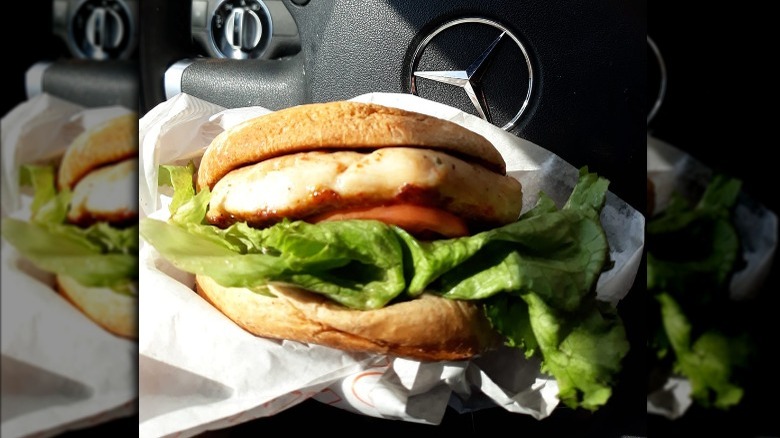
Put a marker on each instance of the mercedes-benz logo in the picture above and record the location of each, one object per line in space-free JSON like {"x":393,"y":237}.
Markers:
{"x":471,"y":78}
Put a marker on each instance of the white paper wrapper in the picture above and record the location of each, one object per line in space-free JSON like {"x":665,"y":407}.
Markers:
{"x":673,"y":170}
{"x":200,"y":371}
{"x":60,"y":371}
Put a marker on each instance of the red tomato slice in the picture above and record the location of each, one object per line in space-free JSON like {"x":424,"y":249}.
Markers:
{"x":417,"y":220}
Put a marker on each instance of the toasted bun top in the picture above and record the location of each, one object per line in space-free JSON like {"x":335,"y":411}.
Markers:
{"x":109,"y":142}
{"x":339,"y":125}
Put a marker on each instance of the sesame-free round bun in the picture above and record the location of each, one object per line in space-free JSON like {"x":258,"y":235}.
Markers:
{"x":109,"y":142}
{"x":115,"y":312}
{"x":425,"y":328}
{"x":341,"y":125}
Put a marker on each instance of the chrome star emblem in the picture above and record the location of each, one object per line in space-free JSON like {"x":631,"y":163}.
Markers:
{"x":470,"y":78}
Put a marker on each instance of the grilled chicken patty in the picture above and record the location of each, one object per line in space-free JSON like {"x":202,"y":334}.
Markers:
{"x":308,"y":184}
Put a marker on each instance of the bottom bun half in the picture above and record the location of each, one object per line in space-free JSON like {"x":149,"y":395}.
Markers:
{"x":115,"y":312}
{"x":425,"y":328}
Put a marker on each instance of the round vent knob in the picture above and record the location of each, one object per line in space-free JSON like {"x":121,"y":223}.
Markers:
{"x":240,"y":29}
{"x":101,"y":29}
{"x":104,"y":29}
{"x":243,"y":29}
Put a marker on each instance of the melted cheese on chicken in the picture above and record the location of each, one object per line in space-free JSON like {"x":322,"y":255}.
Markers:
{"x":300,"y":185}
{"x":106,"y":194}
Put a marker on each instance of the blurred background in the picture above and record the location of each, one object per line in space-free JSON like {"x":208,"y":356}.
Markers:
{"x":47,"y":47}
{"x":718,"y":108}
{"x":83,"y":52}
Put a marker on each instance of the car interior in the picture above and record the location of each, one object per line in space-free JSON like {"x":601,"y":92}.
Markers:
{"x":88,"y":54}
{"x":571,"y":78}
{"x":689,"y":117}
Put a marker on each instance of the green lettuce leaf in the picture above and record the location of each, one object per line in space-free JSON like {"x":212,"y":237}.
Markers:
{"x":708,"y":361}
{"x":48,"y":205}
{"x":558,"y":255}
{"x":583,"y":349}
{"x":180,"y":178}
{"x":693,"y":250}
{"x":356,"y":263}
{"x":97,"y":256}
{"x":695,"y":247}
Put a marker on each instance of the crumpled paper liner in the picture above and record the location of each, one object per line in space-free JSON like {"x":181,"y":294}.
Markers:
{"x":60,"y":371}
{"x":200,"y":371}
{"x":674,"y":170}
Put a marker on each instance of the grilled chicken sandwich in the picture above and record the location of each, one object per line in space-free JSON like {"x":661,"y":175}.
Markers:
{"x":369,"y":228}
{"x":84,"y":224}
